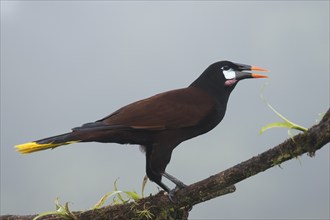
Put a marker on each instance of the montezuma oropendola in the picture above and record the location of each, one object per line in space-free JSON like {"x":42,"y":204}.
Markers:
{"x":163,"y":121}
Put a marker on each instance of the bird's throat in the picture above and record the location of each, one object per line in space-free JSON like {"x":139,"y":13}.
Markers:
{"x":230,"y":82}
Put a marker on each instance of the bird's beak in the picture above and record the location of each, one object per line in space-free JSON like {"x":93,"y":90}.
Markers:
{"x":245,"y":75}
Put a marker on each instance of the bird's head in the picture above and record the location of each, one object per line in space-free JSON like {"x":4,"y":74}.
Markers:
{"x":224,"y":75}
{"x":234,"y":72}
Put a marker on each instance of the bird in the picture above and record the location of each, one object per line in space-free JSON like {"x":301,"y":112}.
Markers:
{"x":161,"y":122}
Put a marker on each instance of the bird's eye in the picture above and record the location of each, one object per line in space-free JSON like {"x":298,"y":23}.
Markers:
{"x":225,"y":68}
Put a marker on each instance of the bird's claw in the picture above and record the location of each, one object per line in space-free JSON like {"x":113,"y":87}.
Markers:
{"x":171,"y":196}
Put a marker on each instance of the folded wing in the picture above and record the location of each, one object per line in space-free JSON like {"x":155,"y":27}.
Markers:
{"x":170,"y":110}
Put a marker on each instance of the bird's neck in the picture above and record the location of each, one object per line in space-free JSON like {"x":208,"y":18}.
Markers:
{"x":213,"y":84}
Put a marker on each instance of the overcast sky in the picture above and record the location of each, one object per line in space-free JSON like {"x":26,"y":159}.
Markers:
{"x":65,"y":63}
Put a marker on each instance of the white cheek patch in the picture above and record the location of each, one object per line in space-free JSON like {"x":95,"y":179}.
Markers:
{"x":229,"y":74}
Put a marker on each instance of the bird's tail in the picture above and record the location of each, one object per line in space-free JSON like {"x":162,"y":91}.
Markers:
{"x":47,"y":143}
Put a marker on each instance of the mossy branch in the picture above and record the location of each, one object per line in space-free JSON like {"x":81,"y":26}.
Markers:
{"x":160,"y":207}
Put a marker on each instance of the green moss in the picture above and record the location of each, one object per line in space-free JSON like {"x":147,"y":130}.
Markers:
{"x":280,"y":159}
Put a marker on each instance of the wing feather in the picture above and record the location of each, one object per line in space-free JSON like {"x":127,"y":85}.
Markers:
{"x":170,"y":110}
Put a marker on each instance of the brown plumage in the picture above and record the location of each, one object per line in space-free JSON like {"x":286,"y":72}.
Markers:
{"x":163,"y":121}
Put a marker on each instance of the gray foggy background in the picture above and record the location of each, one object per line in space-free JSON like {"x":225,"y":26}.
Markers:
{"x":67,"y":63}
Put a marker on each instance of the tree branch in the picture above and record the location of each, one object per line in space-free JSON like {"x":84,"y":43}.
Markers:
{"x":219,"y":184}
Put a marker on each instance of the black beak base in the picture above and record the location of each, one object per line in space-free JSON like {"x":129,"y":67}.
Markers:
{"x":243,"y":75}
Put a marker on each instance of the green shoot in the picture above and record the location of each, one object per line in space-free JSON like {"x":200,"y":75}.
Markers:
{"x":284,"y":124}
{"x":61,"y":211}
{"x":144,"y":183}
{"x":143,"y":214}
{"x":120,"y":197}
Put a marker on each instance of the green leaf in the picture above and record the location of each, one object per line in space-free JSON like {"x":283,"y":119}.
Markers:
{"x":117,"y":197}
{"x":274,"y":125}
{"x":144,"y":183}
{"x":132,"y":195}
{"x":118,"y":194}
{"x":101,"y":202}
{"x":62,"y":211}
{"x":286,"y":122}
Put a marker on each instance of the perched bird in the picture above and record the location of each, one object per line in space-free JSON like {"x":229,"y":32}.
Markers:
{"x":161,"y":122}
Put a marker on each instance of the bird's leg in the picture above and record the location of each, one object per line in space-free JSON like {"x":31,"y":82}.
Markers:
{"x":157,"y":178}
{"x":157,"y":158}
{"x":177,"y":182}
{"x":162,"y":185}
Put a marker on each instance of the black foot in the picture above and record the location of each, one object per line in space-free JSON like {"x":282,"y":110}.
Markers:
{"x":171,"y":195}
{"x":177,"y":182}
{"x":171,"y":192}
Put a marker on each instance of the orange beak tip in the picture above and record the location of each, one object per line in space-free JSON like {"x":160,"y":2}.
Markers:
{"x":256,"y":68}
{"x":255,"y":75}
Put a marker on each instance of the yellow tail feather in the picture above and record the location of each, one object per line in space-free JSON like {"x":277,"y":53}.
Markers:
{"x":34,"y":146}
